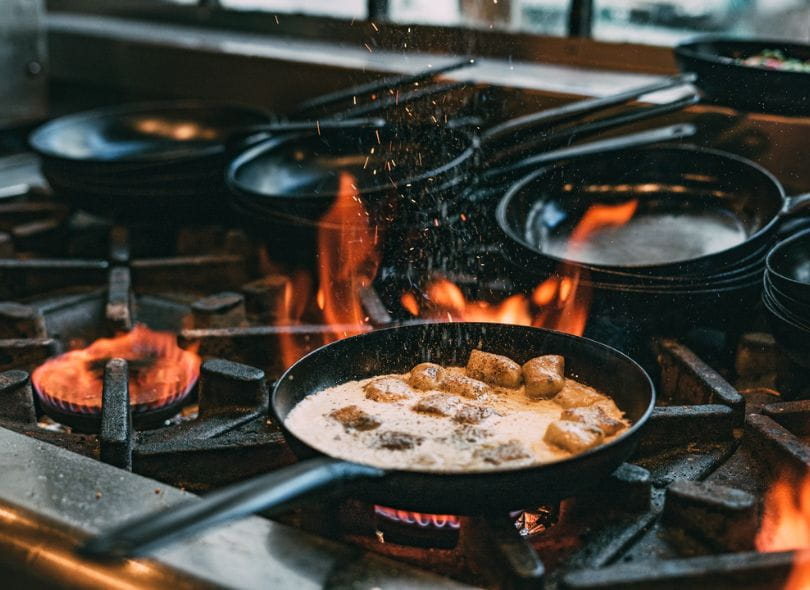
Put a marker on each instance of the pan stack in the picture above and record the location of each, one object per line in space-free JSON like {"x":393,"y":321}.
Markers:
{"x":138,"y":162}
{"x":680,"y":251}
{"x":786,"y":295}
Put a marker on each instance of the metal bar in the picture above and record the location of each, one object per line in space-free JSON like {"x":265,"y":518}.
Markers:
{"x":521,"y":560}
{"x":381,"y":85}
{"x":26,"y":353}
{"x":749,"y":570}
{"x":580,"y":108}
{"x":377,"y":9}
{"x":580,"y":18}
{"x":21,"y":321}
{"x":221,"y":310}
{"x":118,"y":312}
{"x":777,"y":447}
{"x":115,"y":435}
{"x":686,"y":379}
{"x":16,"y":398}
{"x":574,"y":132}
{"x":406,"y":98}
{"x":232,"y":388}
{"x":681,"y":425}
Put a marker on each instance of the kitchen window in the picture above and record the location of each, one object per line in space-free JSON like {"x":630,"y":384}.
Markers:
{"x":651,"y":22}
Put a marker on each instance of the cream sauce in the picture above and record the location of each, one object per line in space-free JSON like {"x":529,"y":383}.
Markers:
{"x":441,"y":443}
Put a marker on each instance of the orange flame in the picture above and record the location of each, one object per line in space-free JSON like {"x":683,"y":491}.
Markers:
{"x":348,"y":258}
{"x":600,"y":216}
{"x":291,"y":307}
{"x":160,"y":372}
{"x":786,"y":524}
{"x":559,"y":302}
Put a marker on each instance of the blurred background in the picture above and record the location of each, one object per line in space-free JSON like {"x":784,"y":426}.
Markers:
{"x":657,"y":22}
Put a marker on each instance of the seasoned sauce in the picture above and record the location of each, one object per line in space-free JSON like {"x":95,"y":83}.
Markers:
{"x":461,"y":425}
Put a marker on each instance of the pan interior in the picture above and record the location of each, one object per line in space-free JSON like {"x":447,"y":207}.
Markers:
{"x":397,"y":350}
{"x":684,"y":205}
{"x":312,"y":165}
{"x":142,"y":132}
{"x":662,"y":230}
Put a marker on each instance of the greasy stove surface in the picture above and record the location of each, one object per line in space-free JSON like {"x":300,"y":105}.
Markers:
{"x":51,"y":499}
{"x":683,"y":513}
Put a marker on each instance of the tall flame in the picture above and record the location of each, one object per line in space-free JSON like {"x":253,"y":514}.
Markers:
{"x":786,"y":524}
{"x":160,"y":372}
{"x":348,"y":259}
{"x":347,"y":256}
{"x":560,"y":302}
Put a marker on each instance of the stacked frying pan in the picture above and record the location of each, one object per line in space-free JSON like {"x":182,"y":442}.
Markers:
{"x":786,"y":295}
{"x":690,"y":249}
{"x":167,"y":159}
{"x":288,"y":188}
{"x":142,"y":160}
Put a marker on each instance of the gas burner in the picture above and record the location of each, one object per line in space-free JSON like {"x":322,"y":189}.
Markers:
{"x":416,"y":529}
{"x":160,"y":377}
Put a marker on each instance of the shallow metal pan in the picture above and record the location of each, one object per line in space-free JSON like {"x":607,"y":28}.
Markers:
{"x":397,"y":350}
{"x":722,"y":80}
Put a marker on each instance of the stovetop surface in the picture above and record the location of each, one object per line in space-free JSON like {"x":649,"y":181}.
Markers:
{"x":684,"y":510}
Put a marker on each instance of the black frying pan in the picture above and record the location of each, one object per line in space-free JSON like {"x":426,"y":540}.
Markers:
{"x":722,"y":80}
{"x":789,"y":267}
{"x":686,"y":194}
{"x":162,"y":132}
{"x":397,"y":350}
{"x":299,"y":175}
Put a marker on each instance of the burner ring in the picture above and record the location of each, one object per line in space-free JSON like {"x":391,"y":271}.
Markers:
{"x":160,"y":377}
{"x":89,"y":420}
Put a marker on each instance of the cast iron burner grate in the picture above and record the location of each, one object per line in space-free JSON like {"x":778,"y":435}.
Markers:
{"x":682,"y":513}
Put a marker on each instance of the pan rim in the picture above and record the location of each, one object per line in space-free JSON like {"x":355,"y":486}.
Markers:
{"x":35,"y":139}
{"x":475,"y":473}
{"x":518,"y":185}
{"x":777,"y":249}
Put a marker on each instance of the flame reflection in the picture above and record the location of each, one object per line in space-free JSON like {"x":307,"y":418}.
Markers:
{"x":348,"y":258}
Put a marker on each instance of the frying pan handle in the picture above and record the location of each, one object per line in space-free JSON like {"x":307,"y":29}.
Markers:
{"x":264,"y":492}
{"x":248,"y":136}
{"x":642,"y":138}
{"x":568,"y":135}
{"x":549,"y":117}
{"x":796,"y":205}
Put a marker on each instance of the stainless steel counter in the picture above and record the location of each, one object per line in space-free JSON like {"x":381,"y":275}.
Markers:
{"x":51,"y":498}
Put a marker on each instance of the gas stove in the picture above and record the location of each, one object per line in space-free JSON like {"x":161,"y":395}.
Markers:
{"x":687,"y":509}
